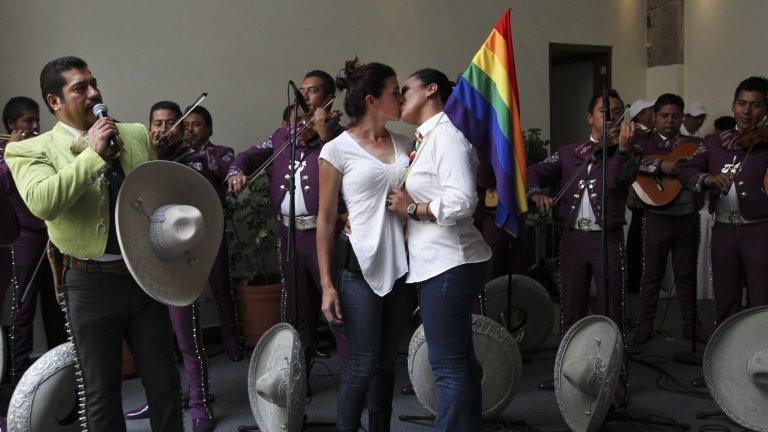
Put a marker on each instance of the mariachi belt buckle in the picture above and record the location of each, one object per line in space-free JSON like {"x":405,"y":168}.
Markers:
{"x":735,"y":218}
{"x":584,"y":224}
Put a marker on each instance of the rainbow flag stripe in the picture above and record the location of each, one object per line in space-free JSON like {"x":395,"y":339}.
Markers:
{"x":485,"y":106}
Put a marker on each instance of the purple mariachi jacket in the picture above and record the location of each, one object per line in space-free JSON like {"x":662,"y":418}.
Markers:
{"x":248,"y":161}
{"x":719,"y":153}
{"x":212,"y":161}
{"x":656,"y":145}
{"x":8,"y":188}
{"x":621,"y":172}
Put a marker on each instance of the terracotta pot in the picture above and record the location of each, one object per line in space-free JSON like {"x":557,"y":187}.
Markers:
{"x":259,"y":310}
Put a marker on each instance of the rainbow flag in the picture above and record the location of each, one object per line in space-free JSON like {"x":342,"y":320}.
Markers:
{"x":485,"y":106}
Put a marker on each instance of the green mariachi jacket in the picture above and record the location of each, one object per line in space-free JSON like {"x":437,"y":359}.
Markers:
{"x":65,"y":190}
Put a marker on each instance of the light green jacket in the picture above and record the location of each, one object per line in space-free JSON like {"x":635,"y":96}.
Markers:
{"x":64,"y":189}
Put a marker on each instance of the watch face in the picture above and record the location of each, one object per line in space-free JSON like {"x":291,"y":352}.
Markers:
{"x":411,"y":209}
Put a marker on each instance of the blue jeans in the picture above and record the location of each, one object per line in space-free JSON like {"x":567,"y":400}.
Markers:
{"x":374,"y":326}
{"x":446,"y":311}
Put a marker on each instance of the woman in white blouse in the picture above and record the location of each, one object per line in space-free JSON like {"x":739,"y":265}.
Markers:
{"x":372,"y":301}
{"x":447,"y":254}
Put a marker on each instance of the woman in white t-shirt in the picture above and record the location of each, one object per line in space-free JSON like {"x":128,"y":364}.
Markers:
{"x":365,"y":163}
{"x":448,"y":255}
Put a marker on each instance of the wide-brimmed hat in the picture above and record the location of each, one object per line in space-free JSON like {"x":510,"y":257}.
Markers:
{"x":587,"y":371}
{"x":277,"y":380}
{"x":496,"y":352}
{"x":169,"y":224}
{"x":736,"y":368}
{"x":45,"y":399}
{"x":638,"y":106}
{"x":532,"y":315}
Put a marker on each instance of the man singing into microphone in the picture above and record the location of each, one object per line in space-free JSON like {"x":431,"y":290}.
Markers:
{"x":70,"y":178}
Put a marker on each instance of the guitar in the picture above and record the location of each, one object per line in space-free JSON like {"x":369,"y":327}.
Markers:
{"x":660,"y":190}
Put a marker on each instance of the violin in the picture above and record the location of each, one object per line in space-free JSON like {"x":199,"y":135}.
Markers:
{"x":755,"y":135}
{"x":310,"y":133}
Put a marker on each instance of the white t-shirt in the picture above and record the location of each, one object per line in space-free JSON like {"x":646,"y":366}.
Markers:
{"x":444,"y":176}
{"x":378,"y":235}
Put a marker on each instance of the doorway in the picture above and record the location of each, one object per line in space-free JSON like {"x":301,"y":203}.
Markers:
{"x":576,"y":73}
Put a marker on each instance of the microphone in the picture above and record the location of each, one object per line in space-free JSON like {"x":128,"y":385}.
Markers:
{"x":100,"y":111}
{"x":299,"y":97}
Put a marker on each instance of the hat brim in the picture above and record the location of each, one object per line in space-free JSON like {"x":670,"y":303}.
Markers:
{"x":278,"y":348}
{"x":45,"y":399}
{"x":178,"y":281}
{"x":496,"y":352}
{"x":729,"y":349}
{"x":525,"y":294}
{"x":579,"y":343}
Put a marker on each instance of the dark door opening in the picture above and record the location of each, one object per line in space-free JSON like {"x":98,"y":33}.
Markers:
{"x":576,"y":73}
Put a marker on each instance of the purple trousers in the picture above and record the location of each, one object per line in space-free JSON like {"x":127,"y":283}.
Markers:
{"x":309,"y":291}
{"x":663,"y":234}
{"x":28,"y":249}
{"x":581,"y":261}
{"x":224,"y":294}
{"x":186,"y":326}
{"x":737,"y":247}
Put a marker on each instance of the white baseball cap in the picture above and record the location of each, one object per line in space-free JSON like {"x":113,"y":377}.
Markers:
{"x":696,"y":109}
{"x":637,"y":106}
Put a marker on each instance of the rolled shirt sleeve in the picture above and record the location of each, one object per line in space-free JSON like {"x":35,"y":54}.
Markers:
{"x":455,"y":162}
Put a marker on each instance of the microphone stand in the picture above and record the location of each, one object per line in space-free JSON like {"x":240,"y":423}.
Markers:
{"x":604,"y":234}
{"x":292,"y":254}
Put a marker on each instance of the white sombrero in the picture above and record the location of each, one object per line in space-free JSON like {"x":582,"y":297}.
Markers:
{"x":277,"y":384}
{"x":587,"y":371}
{"x":496,"y":352}
{"x":736,"y":368}
{"x":531,"y":306}
{"x":45,"y":399}
{"x":169,"y":223}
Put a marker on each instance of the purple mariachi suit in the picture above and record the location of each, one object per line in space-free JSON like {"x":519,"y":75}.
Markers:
{"x":27,"y":251}
{"x":186,"y":321}
{"x":735,"y":245}
{"x":213,"y":162}
{"x":673,"y":228}
{"x":9,"y":232}
{"x":308,"y":283}
{"x":580,"y":253}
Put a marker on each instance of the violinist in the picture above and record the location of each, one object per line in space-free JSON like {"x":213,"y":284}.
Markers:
{"x":731,"y":166}
{"x":213,"y":162}
{"x":673,"y":228}
{"x":318,"y":87}
{"x":581,"y":213}
{"x":169,"y":145}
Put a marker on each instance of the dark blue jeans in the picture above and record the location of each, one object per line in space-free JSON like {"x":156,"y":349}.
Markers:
{"x":446,"y":311}
{"x":374,"y":326}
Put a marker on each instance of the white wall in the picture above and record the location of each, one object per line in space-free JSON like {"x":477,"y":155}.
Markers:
{"x":724,"y":43}
{"x":242,"y":52}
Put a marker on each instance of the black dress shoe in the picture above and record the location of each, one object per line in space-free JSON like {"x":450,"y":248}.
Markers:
{"x":547,"y":385}
{"x":138,"y":413}
{"x":321,"y":353}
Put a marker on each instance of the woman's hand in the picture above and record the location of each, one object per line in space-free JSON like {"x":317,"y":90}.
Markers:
{"x":331,"y":306}
{"x":398,"y":202}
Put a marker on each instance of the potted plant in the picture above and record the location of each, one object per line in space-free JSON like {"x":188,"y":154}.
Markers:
{"x":253,"y":259}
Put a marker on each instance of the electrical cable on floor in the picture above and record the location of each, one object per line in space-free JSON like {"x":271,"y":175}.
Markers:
{"x":665,"y":381}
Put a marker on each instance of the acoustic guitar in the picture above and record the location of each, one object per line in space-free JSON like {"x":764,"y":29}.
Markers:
{"x":660,"y":190}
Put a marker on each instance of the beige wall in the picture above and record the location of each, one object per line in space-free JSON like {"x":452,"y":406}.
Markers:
{"x":724,"y":43}
{"x":243,"y":52}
